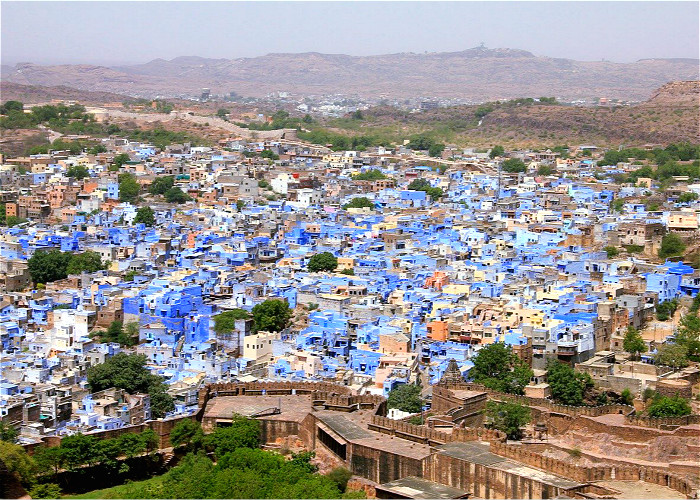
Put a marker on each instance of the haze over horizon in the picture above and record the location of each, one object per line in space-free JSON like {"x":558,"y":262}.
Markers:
{"x":584,"y":31}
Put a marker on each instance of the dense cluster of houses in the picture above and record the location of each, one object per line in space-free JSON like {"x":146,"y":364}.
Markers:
{"x":514,"y":258}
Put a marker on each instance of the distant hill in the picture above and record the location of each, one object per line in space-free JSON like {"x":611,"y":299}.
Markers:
{"x":32,"y":94}
{"x":478,"y":74}
{"x":672,"y":114}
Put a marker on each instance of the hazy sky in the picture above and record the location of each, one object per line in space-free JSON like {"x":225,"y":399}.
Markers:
{"x":135,"y":32}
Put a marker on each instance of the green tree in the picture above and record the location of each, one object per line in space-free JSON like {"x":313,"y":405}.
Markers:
{"x":369,"y":175}
{"x":87,"y":261}
{"x":78,"y":171}
{"x":129,"y":188}
{"x":666,"y":309}
{"x":689,"y":334}
{"x":176,"y":195}
{"x":617,"y":204}
{"x":272,"y":315}
{"x":269,"y":154}
{"x":150,"y":440}
{"x":129,"y":372}
{"x":508,"y":417}
{"x":145,"y":215}
{"x":222,"y":113}
{"x":611,"y":251}
{"x":79,"y":449}
{"x":633,"y":342}
{"x":340,"y":476}
{"x":225,"y":322}
{"x":187,"y":433}
{"x":406,"y":397}
{"x":45,"y":267}
{"x":687,"y":197}
{"x":161,"y":185}
{"x":239,"y":205}
{"x":121,"y":159}
{"x":671,"y":245}
{"x":97,"y":149}
{"x":12,"y":221}
{"x":49,"y":460}
{"x":498,"y":368}
{"x":18,"y":463}
{"x":568,"y":386}
{"x":361,"y":202}
{"x":129,"y":275}
{"x":513,"y":165}
{"x":545,"y":170}
{"x":8,"y":433}
{"x":497,"y":151}
{"x":115,"y":331}
{"x":436,"y":149}
{"x":10,"y":106}
{"x":348,"y":272}
{"x":626,"y":397}
{"x":673,"y":355}
{"x":130,"y":335}
{"x":324,"y":261}
{"x":45,"y":490}
{"x":664,"y":406}
{"x":243,"y":432}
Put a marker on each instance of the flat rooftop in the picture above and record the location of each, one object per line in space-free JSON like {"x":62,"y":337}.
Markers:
{"x":293,"y":407}
{"x":465,"y":394}
{"x":479,"y":453}
{"x":416,"y":487}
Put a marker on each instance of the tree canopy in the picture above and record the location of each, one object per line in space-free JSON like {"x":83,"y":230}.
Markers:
{"x":369,"y":175}
{"x":145,"y":215}
{"x":176,"y":195}
{"x":324,"y":261}
{"x":129,"y":372}
{"x":633,"y":342}
{"x":78,"y":171}
{"x":129,"y":188}
{"x":161,"y":185}
{"x":45,"y":267}
{"x":664,"y":406}
{"x":514,"y":165}
{"x":87,"y":261}
{"x":225,"y":322}
{"x":498,"y":368}
{"x":497,"y":151}
{"x":508,"y":417}
{"x":424,"y":185}
{"x":360,"y":202}
{"x":673,"y":355}
{"x":671,"y":246}
{"x":568,"y":386}
{"x":272,"y":315}
{"x":406,"y":397}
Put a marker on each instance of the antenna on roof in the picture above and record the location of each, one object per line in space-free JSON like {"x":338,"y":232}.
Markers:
{"x":482,"y":46}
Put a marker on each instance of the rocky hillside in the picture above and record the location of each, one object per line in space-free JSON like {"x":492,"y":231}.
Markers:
{"x":672,"y":114}
{"x":478,"y":74}
{"x":32,"y":94}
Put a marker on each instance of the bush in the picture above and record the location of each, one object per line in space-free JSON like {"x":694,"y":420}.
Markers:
{"x":665,"y":406}
{"x":611,"y":251}
{"x":671,"y":245}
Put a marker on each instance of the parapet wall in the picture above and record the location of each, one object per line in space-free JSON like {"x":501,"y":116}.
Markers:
{"x":161,"y":427}
{"x":596,"y":472}
{"x":590,"y":411}
{"x":270,"y":388}
{"x":423,"y":434}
